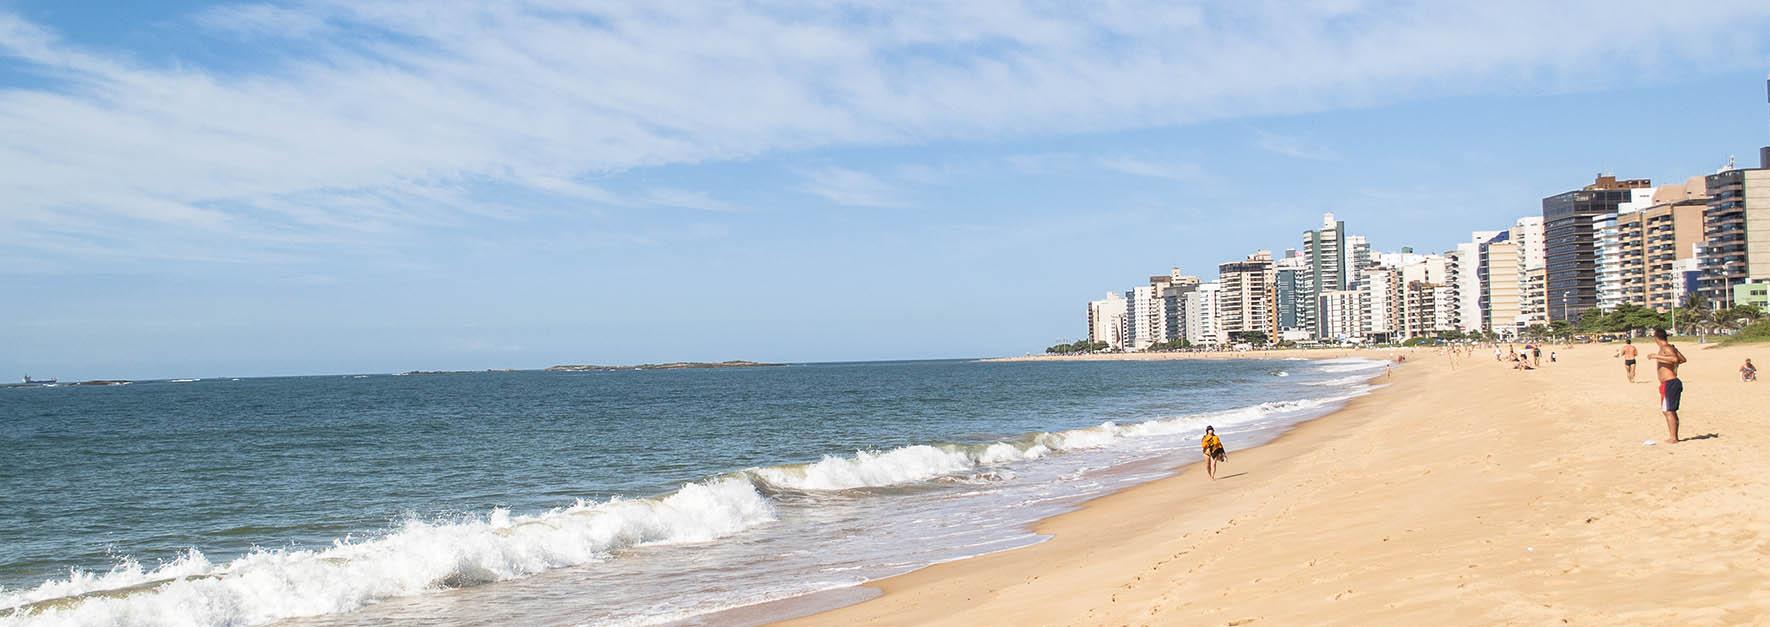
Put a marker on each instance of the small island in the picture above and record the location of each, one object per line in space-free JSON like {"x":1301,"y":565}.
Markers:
{"x":679,"y":365}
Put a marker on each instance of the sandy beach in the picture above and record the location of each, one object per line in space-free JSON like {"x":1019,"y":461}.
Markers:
{"x":1462,"y":493}
{"x":1286,"y":353}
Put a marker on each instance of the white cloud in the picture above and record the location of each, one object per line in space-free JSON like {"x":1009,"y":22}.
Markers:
{"x":1293,"y":147}
{"x":851,"y":188}
{"x":388,"y":115}
{"x":1165,"y":170}
{"x":687,"y":199}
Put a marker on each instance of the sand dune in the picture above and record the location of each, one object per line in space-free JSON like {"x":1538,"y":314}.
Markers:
{"x":1464,"y":493}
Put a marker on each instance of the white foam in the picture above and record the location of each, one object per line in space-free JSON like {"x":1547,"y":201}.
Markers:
{"x":264,"y":586}
{"x":269,"y":585}
{"x":1351,"y":364}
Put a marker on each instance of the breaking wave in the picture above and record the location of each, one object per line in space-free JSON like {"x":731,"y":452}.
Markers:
{"x":419,"y":556}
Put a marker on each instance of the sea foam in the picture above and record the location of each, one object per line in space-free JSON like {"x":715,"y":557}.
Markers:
{"x":268,"y":585}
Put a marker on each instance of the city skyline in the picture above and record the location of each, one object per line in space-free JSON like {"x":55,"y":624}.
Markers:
{"x":214,"y":189}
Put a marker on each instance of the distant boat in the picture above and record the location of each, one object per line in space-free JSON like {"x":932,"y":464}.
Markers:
{"x":186,"y":380}
{"x":30,"y":381}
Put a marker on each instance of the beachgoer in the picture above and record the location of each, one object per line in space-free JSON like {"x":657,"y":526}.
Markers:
{"x":1552,"y":358}
{"x":1748,"y":372}
{"x":1213,"y":450}
{"x":1628,"y":357}
{"x":1671,"y":390}
{"x":1536,"y":354}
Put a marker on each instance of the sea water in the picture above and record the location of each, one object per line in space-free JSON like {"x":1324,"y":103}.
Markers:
{"x":625,"y":497}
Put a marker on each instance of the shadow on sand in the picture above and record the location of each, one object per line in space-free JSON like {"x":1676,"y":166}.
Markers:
{"x":1705,"y":436}
{"x":1243,"y":473}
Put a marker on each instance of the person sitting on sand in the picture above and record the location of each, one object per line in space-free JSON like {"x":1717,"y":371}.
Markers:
{"x":1213,"y":450}
{"x":1748,"y":372}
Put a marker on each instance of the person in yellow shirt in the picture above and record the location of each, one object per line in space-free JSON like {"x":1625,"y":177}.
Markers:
{"x":1213,"y":450}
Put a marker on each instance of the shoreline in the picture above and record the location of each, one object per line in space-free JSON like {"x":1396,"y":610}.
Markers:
{"x":1473,"y":492}
{"x":1278,"y":353}
{"x":817,"y":607}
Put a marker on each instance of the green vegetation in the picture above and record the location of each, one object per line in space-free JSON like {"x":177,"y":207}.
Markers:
{"x":1078,"y":347}
{"x":1758,"y":331}
{"x":1170,"y":345}
{"x":1256,"y":338}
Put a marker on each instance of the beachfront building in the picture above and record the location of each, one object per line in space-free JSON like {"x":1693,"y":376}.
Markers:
{"x":1501,"y":285}
{"x":1358,"y":257}
{"x":1248,"y":294}
{"x":1654,"y":237}
{"x":1143,"y":317}
{"x":1380,"y":321}
{"x":1106,"y":321}
{"x":1342,"y":314}
{"x":1470,"y":309}
{"x":1607,"y":273}
{"x":1533,"y":297}
{"x":1293,"y":291}
{"x":1736,"y":228}
{"x":1325,"y":252}
{"x":1687,"y":275}
{"x":1155,"y":312}
{"x":1570,"y":246}
{"x":1202,"y":315}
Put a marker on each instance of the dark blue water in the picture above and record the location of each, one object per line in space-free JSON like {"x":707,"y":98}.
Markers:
{"x":479,"y":479}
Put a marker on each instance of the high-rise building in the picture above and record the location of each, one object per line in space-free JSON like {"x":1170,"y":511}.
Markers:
{"x":1249,"y":293}
{"x":1106,"y":321}
{"x":1502,"y":281}
{"x":1736,"y":228}
{"x":1654,"y":237}
{"x":1471,"y":308}
{"x":1358,"y":257}
{"x":1203,"y":315}
{"x":1382,"y":298}
{"x":1325,"y":249}
{"x":1533,"y":302}
{"x":1608,"y":271}
{"x":1570,"y":246}
{"x":1342,"y":313}
{"x":1155,"y":312}
{"x":1294,"y":289}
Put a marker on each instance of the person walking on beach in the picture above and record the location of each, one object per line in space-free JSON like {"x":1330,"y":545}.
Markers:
{"x":1628,"y":357}
{"x":1213,"y":450}
{"x":1671,"y":390}
{"x":1536,"y":355}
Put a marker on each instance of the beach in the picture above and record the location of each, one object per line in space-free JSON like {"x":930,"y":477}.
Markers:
{"x":1464,"y":492}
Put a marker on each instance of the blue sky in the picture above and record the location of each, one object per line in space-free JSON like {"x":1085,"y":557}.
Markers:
{"x":209,"y":189}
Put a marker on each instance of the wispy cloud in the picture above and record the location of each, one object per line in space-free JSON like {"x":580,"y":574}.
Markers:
{"x":851,"y":188}
{"x":686,"y":199}
{"x":385,"y":102}
{"x":1165,"y":170}
{"x":1293,"y":147}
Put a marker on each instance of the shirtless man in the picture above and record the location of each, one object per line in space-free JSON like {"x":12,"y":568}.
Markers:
{"x":1671,"y":390}
{"x":1628,"y":356}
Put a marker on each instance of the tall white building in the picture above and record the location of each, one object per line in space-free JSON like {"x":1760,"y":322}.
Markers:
{"x":1533,"y":295}
{"x":1607,"y":269}
{"x":1106,"y":321}
{"x":1381,"y":318}
{"x":1358,"y":257}
{"x":1528,"y":234}
{"x":1472,"y":310}
{"x":1203,"y":326}
{"x":1342,"y":316}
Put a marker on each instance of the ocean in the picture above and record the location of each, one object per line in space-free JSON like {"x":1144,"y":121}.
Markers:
{"x":624,"y":497}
